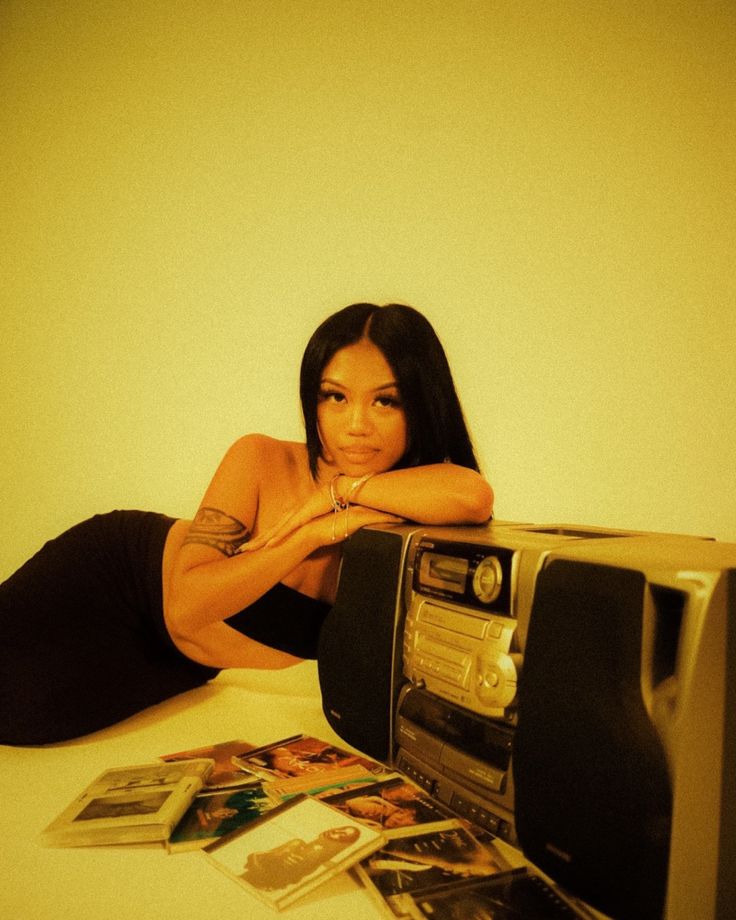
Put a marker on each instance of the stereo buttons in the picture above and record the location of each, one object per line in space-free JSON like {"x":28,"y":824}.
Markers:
{"x":487,"y":579}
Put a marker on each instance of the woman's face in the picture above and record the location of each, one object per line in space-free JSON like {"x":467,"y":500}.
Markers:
{"x":362,"y":424}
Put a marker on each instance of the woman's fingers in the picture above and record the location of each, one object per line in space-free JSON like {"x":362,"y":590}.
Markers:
{"x":316,"y":506}
{"x":332,"y":525}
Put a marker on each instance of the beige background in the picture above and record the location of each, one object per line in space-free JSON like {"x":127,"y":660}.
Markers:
{"x":188,"y":188}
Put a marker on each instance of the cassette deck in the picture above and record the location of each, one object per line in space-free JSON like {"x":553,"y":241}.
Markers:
{"x":468,"y":594}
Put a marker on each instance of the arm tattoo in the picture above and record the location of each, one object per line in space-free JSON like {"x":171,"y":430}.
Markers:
{"x":213,"y":527}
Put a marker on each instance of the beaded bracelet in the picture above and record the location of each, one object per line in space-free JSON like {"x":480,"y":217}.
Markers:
{"x":338,"y":504}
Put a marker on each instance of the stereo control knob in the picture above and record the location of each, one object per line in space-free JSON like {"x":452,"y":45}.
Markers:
{"x":495,"y":682}
{"x":487,"y":579}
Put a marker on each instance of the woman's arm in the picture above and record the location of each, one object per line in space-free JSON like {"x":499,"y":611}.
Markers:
{"x":220,"y":646}
{"x":216,"y":587}
{"x":441,"y":493}
{"x":211,"y":579}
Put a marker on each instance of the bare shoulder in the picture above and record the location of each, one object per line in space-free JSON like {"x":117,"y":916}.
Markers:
{"x":263,"y":451}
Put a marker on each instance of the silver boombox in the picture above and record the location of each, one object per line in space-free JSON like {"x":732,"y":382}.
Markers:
{"x":468,"y":595}
{"x":570,"y":689}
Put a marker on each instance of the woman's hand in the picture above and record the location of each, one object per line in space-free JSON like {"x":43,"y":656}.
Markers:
{"x":318,"y":504}
{"x":325,"y":525}
{"x":336,"y":527}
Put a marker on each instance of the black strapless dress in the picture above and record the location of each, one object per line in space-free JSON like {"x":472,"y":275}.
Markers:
{"x":83,"y":642}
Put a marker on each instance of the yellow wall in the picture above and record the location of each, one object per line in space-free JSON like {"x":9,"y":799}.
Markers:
{"x":189,"y":187}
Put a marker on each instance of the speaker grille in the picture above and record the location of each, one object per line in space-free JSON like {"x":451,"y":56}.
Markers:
{"x":356,"y":649}
{"x":593,"y":795}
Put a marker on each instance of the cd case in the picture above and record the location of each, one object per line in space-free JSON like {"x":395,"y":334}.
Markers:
{"x":225,"y":774}
{"x":520,"y":894}
{"x":135,"y":804}
{"x":420,"y":859}
{"x":293,"y":849}
{"x":216,"y":813}
{"x":300,"y":755}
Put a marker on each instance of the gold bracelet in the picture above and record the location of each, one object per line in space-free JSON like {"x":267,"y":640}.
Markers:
{"x":343,"y":504}
{"x":351,"y":492}
{"x":357,"y":485}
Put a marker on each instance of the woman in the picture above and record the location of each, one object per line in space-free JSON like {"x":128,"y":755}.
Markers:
{"x":130,"y":608}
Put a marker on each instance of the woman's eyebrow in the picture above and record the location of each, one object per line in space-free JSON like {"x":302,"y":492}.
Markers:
{"x":393,"y":385}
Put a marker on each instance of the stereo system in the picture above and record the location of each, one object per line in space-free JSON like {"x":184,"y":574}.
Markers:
{"x":565,"y":687}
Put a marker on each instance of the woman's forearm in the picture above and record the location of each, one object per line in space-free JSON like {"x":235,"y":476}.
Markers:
{"x":220,"y":646}
{"x":438,"y":494}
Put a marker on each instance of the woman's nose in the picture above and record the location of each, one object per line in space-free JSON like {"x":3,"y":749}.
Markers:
{"x":358,"y":421}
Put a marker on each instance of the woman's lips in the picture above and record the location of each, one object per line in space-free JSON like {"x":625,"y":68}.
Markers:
{"x":359,"y":454}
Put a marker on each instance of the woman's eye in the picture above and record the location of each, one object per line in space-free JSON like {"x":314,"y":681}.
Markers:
{"x":388,"y":402}
{"x":331,"y":396}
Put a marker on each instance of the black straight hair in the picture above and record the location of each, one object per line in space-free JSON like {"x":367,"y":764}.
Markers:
{"x":436,"y":426}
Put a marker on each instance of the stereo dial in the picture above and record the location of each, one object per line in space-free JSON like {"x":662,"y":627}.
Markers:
{"x":487,"y":579}
{"x":495,"y":679}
